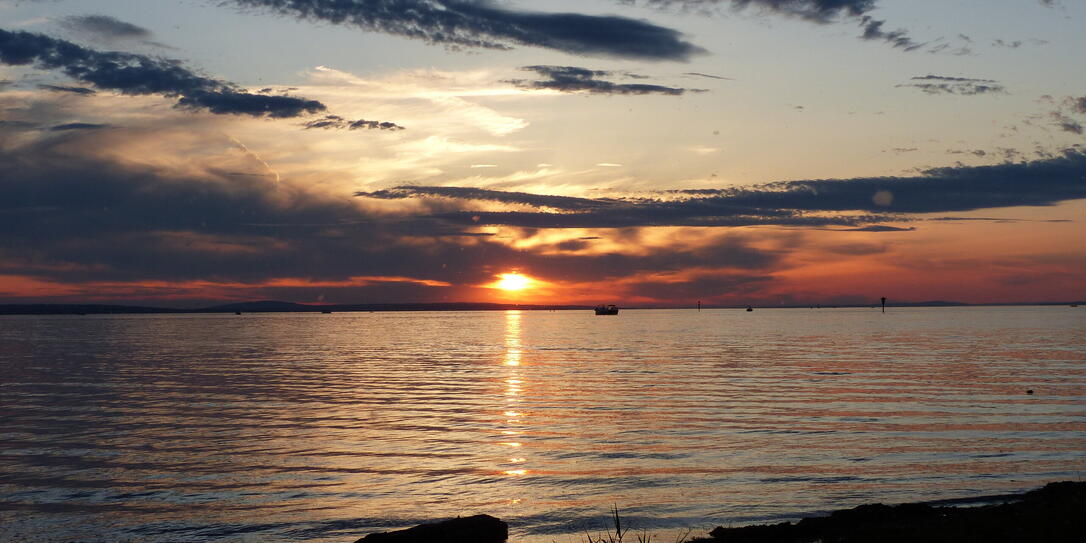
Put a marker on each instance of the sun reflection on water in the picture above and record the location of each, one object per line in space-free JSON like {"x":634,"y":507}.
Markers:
{"x":514,"y":387}
{"x":512,"y":338}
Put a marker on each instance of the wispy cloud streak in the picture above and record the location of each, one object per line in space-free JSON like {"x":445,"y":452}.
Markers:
{"x":105,"y":28}
{"x":963,"y":86}
{"x":337,"y":122}
{"x":577,"y":79}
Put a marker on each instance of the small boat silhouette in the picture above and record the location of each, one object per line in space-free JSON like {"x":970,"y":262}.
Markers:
{"x":749,"y":308}
{"x":606,"y":309}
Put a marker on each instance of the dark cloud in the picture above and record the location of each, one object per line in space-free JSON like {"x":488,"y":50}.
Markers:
{"x":961,"y":188}
{"x":230,"y":101}
{"x":576,"y":79}
{"x":872,"y":30}
{"x":880,"y":228}
{"x":937,"y":48}
{"x":1015,"y":44}
{"x":337,"y":122}
{"x":1067,"y":124}
{"x":78,"y":126}
{"x":975,"y":152}
{"x":964,"y":86}
{"x":565,"y":203}
{"x":811,"y":203}
{"x":485,"y":24}
{"x":373,"y":125}
{"x":135,"y":74}
{"x":820,"y":11}
{"x":74,"y":90}
{"x":817,"y":11}
{"x":105,"y":27}
{"x":1078,"y":105}
{"x":1062,"y":115}
{"x":571,"y":212}
{"x":651,"y":215}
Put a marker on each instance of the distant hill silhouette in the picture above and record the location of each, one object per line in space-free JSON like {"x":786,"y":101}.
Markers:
{"x":268,"y":306}
{"x":80,"y":309}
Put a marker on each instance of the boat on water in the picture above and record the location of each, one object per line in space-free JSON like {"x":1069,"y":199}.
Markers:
{"x":606,"y":309}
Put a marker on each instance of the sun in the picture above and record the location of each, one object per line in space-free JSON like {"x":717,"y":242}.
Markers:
{"x":513,"y":281}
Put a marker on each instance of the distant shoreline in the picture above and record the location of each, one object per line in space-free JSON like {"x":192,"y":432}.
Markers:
{"x":269,"y":307}
{"x":290,"y":307}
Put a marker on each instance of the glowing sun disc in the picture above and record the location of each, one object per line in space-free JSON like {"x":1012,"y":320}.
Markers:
{"x":513,"y":281}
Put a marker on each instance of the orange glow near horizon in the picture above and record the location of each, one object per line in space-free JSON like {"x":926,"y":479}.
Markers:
{"x":953,"y":261}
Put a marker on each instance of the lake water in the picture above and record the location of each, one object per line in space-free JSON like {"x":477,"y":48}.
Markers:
{"x":311,"y":427}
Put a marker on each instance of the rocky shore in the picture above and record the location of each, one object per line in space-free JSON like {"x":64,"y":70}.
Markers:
{"x":1053,"y":514}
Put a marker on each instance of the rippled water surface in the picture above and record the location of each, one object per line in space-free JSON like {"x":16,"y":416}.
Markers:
{"x":310,"y":427}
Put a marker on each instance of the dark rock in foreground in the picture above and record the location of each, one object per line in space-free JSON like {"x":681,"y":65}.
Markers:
{"x":1055,"y":513}
{"x":476,"y":529}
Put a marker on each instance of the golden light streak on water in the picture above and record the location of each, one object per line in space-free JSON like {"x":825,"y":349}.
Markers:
{"x":512,"y":338}
{"x":514,"y":385}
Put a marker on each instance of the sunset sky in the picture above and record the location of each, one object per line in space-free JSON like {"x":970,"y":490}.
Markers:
{"x":638,"y":152}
